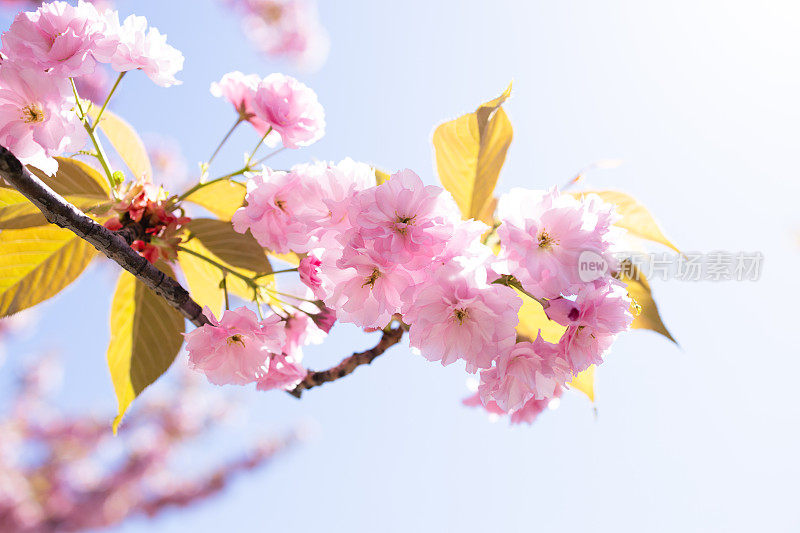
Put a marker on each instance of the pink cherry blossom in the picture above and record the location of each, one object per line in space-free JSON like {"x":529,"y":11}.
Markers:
{"x":274,"y":199}
{"x":303,"y":209}
{"x":368,"y":289}
{"x":474,"y":400}
{"x":529,"y":370}
{"x":57,"y":36}
{"x":36,"y":117}
{"x":301,"y":331}
{"x":291,"y":109}
{"x":143,"y":48}
{"x":599,"y":313}
{"x":329,"y":190}
{"x":308,"y":270}
{"x":543,"y":234}
{"x":458,"y":314}
{"x":285,"y":372}
{"x":526,"y":414}
{"x":325,"y":319}
{"x":94,"y":86}
{"x":236,"y":349}
{"x":529,"y":412}
{"x":405,"y":221}
{"x":240,"y":90}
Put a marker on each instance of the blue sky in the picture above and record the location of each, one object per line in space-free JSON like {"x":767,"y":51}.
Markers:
{"x":699,"y":99}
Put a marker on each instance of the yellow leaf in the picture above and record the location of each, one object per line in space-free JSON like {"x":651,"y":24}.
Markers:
{"x":221,"y":198}
{"x":289,"y":258}
{"x":584,"y":382}
{"x":532,"y":320}
{"x":381,"y":176}
{"x":202,"y":277}
{"x":17,"y":212}
{"x":644,"y":308}
{"x":635,"y":217}
{"x":146,"y":335}
{"x":37,"y":263}
{"x":125,"y":141}
{"x":75,"y":178}
{"x":470,"y":152}
{"x":234,"y":249}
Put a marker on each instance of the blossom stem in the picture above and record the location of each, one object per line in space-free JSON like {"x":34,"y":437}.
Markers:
{"x":279,"y":293}
{"x":511,"y":281}
{"x":220,"y":266}
{"x":108,"y":99}
{"x":276,"y":152}
{"x":257,"y":300}
{"x":224,"y":140}
{"x":95,"y":141}
{"x":277,"y":272}
{"x":200,"y":185}
{"x":224,"y":285}
{"x":253,"y":153}
{"x":491,"y":233}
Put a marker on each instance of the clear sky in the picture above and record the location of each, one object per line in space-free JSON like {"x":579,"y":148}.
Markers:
{"x":700,"y":100}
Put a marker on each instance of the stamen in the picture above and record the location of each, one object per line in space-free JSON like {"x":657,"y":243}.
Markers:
{"x":546,"y":241}
{"x":233,"y":339}
{"x":372,"y":278}
{"x":32,"y":114}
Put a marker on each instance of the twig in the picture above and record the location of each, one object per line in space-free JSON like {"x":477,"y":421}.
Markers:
{"x":347,"y":366}
{"x":65,"y":215}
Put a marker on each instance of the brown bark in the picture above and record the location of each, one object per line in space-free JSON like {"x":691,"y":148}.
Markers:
{"x":347,"y":366}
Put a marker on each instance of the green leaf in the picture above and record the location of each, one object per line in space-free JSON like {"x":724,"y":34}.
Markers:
{"x":644,"y":308}
{"x":37,"y":263}
{"x":234,"y":249}
{"x":125,"y":141}
{"x":146,"y":335}
{"x":470,"y":152}
{"x":635,"y":217}
{"x":221,"y":198}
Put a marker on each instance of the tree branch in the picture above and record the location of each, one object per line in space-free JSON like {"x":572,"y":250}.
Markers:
{"x":347,"y":366}
{"x":63,"y":214}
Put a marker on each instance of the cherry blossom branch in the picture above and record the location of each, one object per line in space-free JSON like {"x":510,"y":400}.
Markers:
{"x":114,"y":245}
{"x":390,"y":337}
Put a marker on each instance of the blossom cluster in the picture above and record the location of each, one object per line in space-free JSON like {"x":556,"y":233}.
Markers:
{"x":242,"y":348}
{"x":285,"y":29}
{"x":148,"y":211}
{"x":400,"y":251}
{"x":44,"y":50}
